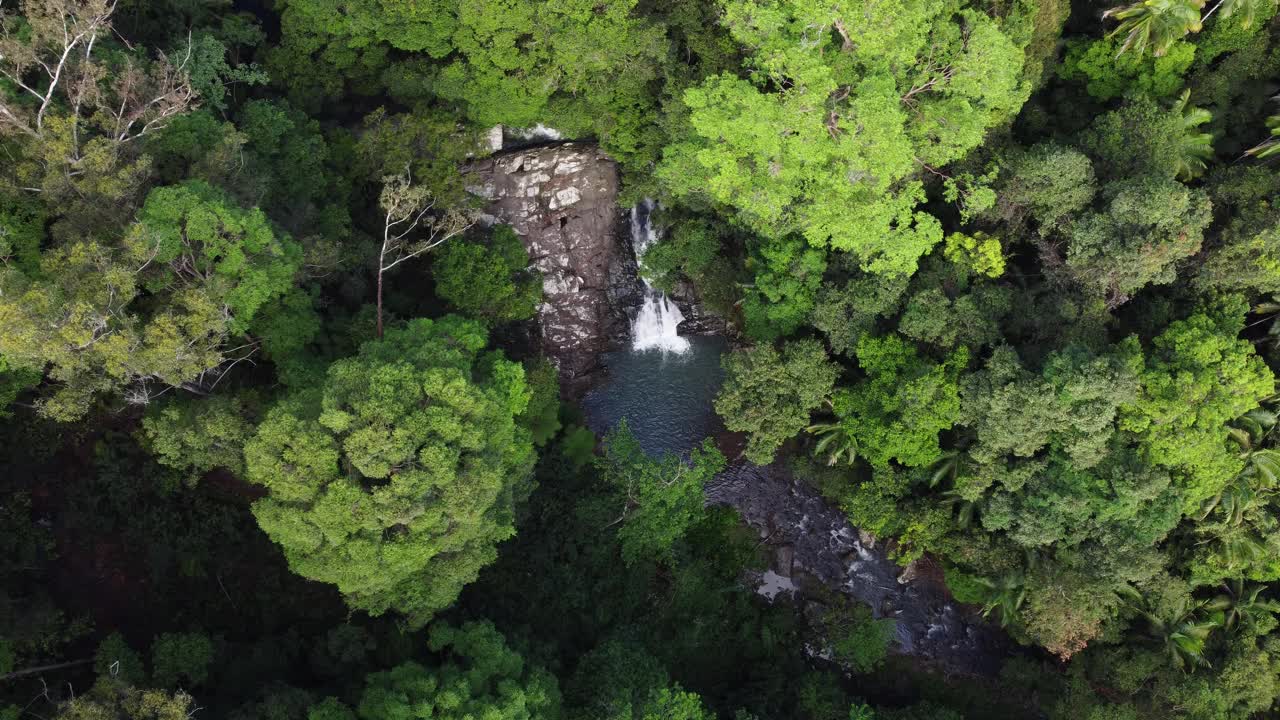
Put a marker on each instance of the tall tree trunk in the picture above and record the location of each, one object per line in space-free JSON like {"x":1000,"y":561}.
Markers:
{"x":44,"y":668}
{"x":379,"y":300}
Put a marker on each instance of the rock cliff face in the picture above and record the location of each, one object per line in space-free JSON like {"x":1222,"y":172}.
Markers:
{"x":697,"y":319}
{"x":562,"y":201}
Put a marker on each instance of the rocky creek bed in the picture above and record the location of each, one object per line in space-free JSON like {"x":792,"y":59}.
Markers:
{"x":813,"y":542}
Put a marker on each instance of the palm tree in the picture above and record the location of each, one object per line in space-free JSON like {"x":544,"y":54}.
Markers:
{"x":1234,"y":501}
{"x":835,"y":441}
{"x":1247,"y":9}
{"x":1240,"y":606}
{"x":1194,"y":147}
{"x":1158,"y":24}
{"x":1259,"y":477}
{"x":1155,"y":24}
{"x":966,"y":510}
{"x":1007,"y":593}
{"x":949,"y":468}
{"x":1182,"y":627}
{"x":1270,"y":146}
{"x":1251,"y":430}
{"x":1238,"y":546}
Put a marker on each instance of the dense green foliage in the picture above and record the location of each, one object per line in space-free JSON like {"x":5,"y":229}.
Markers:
{"x":661,"y":498}
{"x":406,"y":464}
{"x":769,"y":394}
{"x":490,"y":281}
{"x":1002,"y":284}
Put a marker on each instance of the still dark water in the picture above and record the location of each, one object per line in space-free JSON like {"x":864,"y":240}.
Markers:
{"x":666,"y":398}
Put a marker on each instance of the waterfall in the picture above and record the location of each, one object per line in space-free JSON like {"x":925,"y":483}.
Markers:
{"x":655,"y":325}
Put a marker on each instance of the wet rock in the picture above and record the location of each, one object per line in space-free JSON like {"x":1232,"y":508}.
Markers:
{"x":909,"y":574}
{"x":562,"y":202}
{"x":829,"y":555}
{"x":783,"y":558}
{"x":698,"y":320}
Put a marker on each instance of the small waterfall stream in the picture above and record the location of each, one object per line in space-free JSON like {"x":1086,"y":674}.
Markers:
{"x":668,"y":406}
{"x":656,"y":324}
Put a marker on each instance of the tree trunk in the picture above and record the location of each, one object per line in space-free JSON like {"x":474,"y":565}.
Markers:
{"x":43,"y":668}
{"x":379,"y":300}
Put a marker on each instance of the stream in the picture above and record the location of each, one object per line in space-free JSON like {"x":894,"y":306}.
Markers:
{"x":664,"y":388}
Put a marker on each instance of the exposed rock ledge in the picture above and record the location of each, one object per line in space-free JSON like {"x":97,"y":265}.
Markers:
{"x":562,"y":201}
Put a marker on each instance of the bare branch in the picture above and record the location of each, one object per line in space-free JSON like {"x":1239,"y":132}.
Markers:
{"x":407,"y":209}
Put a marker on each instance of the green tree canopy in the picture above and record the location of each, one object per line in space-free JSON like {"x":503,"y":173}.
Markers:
{"x":1148,"y":226}
{"x":769,"y":394}
{"x":110,"y":700}
{"x":395,"y":480}
{"x":479,"y":676}
{"x":162,"y":306}
{"x":843,"y":105}
{"x":581,"y":66}
{"x":490,"y":280}
{"x":660,"y":498}
{"x":897,"y":412}
{"x":1070,"y":406}
{"x":1045,"y":183}
{"x":1199,"y":376}
{"x":181,"y":659}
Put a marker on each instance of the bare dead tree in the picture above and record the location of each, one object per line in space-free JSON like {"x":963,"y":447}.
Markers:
{"x":44,"y":668}
{"x":50,"y":56}
{"x":409,"y":228}
{"x":60,"y":35}
{"x":144,"y":99}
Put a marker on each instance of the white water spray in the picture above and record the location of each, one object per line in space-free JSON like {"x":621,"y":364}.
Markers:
{"x":655,"y":326}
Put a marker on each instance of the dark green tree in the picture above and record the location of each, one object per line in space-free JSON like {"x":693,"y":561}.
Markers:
{"x":769,"y":394}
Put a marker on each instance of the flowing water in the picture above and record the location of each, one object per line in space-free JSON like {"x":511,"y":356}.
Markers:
{"x":656,"y":326}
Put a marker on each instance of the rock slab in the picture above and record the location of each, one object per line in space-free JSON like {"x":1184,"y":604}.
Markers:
{"x":562,"y":202}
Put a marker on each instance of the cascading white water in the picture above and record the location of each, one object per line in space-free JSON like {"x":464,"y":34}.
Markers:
{"x":655,"y":325}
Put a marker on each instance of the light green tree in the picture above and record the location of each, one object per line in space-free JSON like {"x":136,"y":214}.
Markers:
{"x":897,"y":412}
{"x":397,"y":478}
{"x":1199,"y":376}
{"x":199,"y":435}
{"x":842,"y":105}
{"x":660,"y":498}
{"x":165,"y":306}
{"x":112,"y":700}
